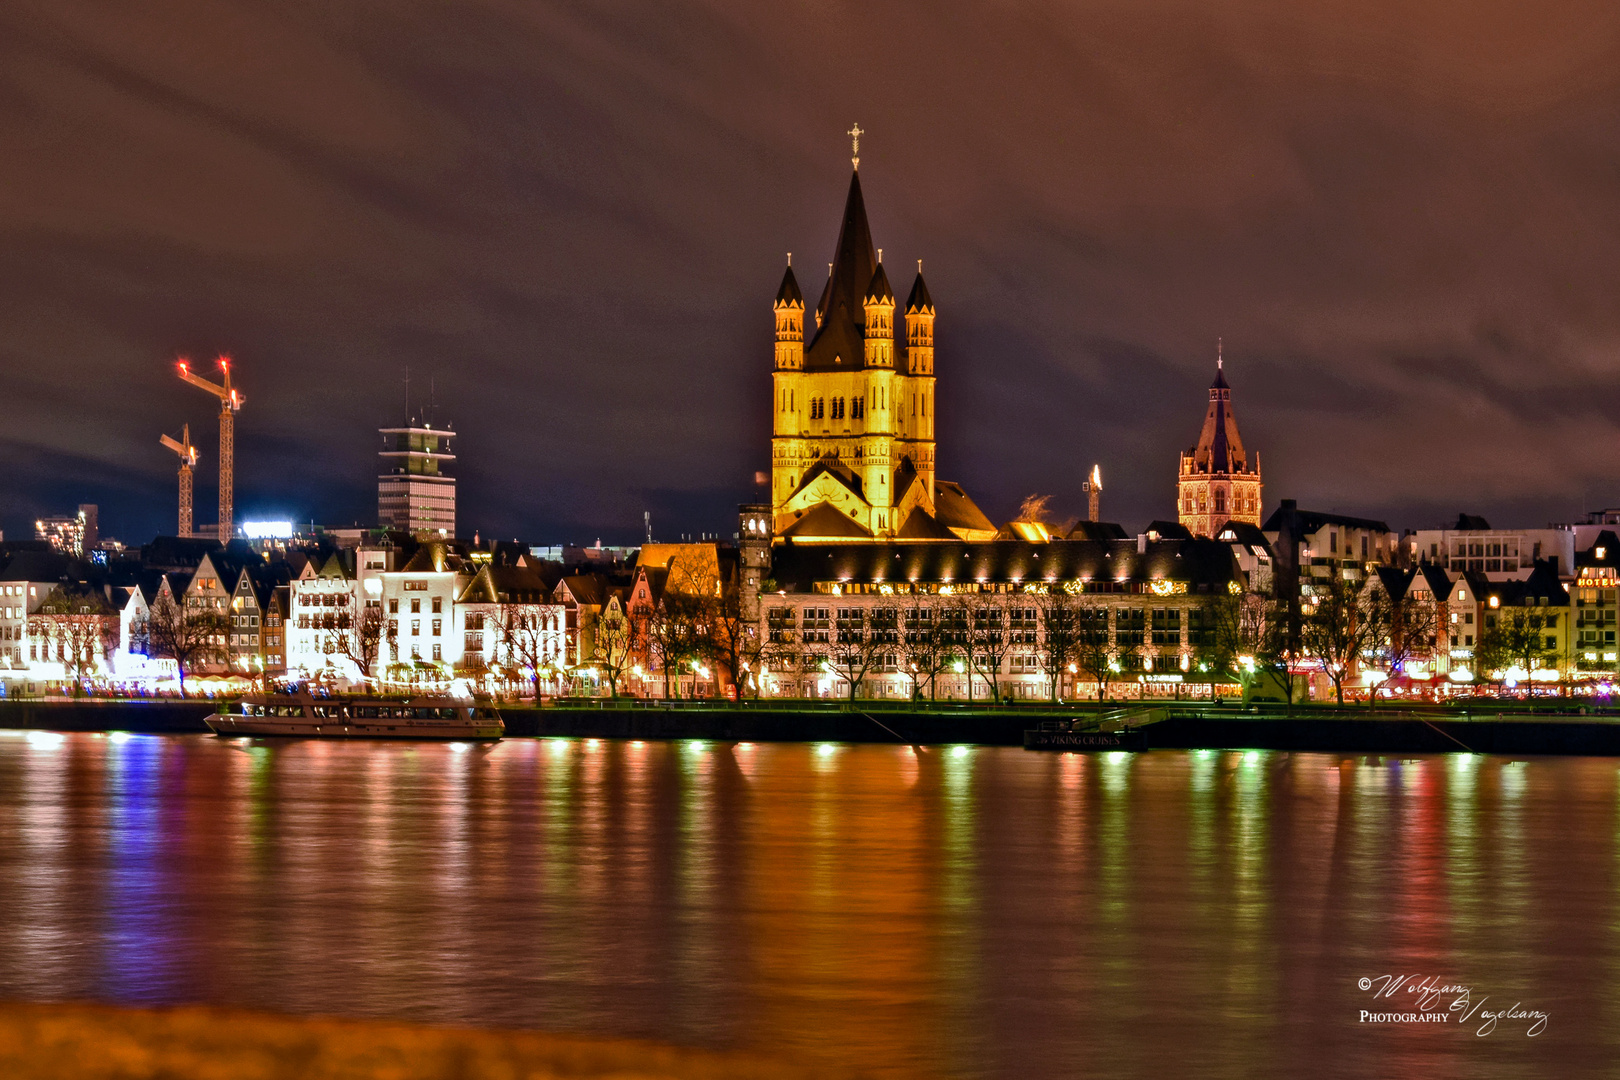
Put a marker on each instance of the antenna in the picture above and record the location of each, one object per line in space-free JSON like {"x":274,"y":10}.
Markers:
{"x":646,"y":517}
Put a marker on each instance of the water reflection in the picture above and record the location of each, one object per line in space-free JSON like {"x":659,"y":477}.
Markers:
{"x":945,"y":911}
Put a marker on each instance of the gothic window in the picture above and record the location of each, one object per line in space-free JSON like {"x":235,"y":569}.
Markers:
{"x":1203,"y":503}
{"x":1220,"y":502}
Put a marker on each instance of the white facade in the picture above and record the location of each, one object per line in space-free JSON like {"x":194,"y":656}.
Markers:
{"x":1499,"y":554}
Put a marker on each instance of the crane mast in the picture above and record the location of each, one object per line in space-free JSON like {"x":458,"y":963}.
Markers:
{"x":230,"y":403}
{"x":188,"y":459}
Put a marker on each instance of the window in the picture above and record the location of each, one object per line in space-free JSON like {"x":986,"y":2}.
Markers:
{"x":816,"y":409}
{"x":1220,"y":501}
{"x":857,"y":408}
{"x":1333,"y":541}
{"x":837,"y":408}
{"x":438,"y":604}
{"x":416,"y":605}
{"x":1364,"y":548}
{"x":438,"y":627}
{"x":416,"y":627}
{"x":438,"y":653}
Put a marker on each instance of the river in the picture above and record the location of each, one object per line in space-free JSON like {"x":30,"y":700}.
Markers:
{"x":948,"y":911}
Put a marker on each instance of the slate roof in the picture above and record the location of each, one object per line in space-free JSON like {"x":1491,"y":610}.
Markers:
{"x":1200,"y":562}
{"x":919,"y":301}
{"x":841,"y":330}
{"x":1471,"y":523}
{"x":1098,"y":530}
{"x":789,"y":295}
{"x":1311,"y":520}
{"x":921,"y":525}
{"x":505,"y":585}
{"x":955,"y":510}
{"x":1167,"y":530}
{"x":824,"y":519}
{"x":36,"y":566}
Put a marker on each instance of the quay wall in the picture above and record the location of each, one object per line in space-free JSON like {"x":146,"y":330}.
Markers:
{"x":1349,"y":731}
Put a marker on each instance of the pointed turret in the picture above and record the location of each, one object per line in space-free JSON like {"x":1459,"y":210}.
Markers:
{"x":789,"y":309}
{"x":879,"y":329}
{"x":919,"y":301}
{"x":789,"y":295}
{"x":919,"y":328}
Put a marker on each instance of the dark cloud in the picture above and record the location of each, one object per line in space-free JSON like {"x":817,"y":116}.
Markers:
{"x":1401,"y":218}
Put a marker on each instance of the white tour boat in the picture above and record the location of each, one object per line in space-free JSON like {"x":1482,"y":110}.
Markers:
{"x":311,"y":717}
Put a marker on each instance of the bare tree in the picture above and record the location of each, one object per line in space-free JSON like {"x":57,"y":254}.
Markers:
{"x":1336,"y":629}
{"x":1398,"y":631}
{"x":853,"y":650}
{"x":357,"y":632}
{"x":673,"y":636}
{"x":1228,"y":634}
{"x":1058,"y":612}
{"x":525,"y":640}
{"x":1097,"y":653}
{"x":926,"y":648}
{"x":82,"y":626}
{"x":617,"y":631}
{"x":190,"y":637}
{"x":989,"y":632}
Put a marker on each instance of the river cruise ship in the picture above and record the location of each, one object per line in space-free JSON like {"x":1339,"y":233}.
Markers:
{"x":310,"y":717}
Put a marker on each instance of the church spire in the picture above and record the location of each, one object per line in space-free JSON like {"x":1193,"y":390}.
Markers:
{"x":839,"y":340}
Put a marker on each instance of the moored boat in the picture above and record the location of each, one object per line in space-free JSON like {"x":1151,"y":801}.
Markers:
{"x":310,"y":717}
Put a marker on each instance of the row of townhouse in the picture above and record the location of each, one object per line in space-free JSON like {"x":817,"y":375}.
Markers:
{"x":442,"y":613}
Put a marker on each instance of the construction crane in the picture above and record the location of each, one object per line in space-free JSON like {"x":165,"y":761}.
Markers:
{"x":188,"y":460}
{"x":230,"y":403}
{"x":1093,"y":490}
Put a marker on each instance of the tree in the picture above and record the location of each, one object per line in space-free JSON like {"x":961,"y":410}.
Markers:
{"x":189,"y":636}
{"x":1058,"y":611}
{"x":1094,"y":650}
{"x":990,"y":637}
{"x":1512,"y":637}
{"x":853,"y":650}
{"x":1336,"y":629}
{"x":1398,"y":631}
{"x":615,"y":641}
{"x":729,"y":642}
{"x":673,"y":636}
{"x":926,"y":648}
{"x":358,"y":632}
{"x":528,"y":641}
{"x":83,"y":627}
{"x":1228,"y":634}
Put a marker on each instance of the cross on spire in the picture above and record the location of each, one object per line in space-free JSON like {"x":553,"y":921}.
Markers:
{"x":855,"y":134}
{"x":1219,"y":363}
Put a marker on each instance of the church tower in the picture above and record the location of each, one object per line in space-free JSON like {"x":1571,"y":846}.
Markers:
{"x":1216,"y":484}
{"x":852,"y":436}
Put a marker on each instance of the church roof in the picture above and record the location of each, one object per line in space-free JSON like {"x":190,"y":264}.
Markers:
{"x":878,"y":291}
{"x":789,"y":295}
{"x":838,"y":471}
{"x":1220,"y":447}
{"x":840,"y":341}
{"x":826,"y":520}
{"x":921,"y":525}
{"x":919,"y":300}
{"x":956,"y":511}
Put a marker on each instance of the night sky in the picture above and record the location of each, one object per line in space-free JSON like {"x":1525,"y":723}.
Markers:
{"x":1403,"y":218}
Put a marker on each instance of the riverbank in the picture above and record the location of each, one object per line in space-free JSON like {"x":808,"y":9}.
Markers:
{"x":1355,"y":730}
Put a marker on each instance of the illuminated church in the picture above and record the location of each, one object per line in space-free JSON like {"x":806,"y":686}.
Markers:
{"x":852,"y":436}
{"x":1216,"y":484}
